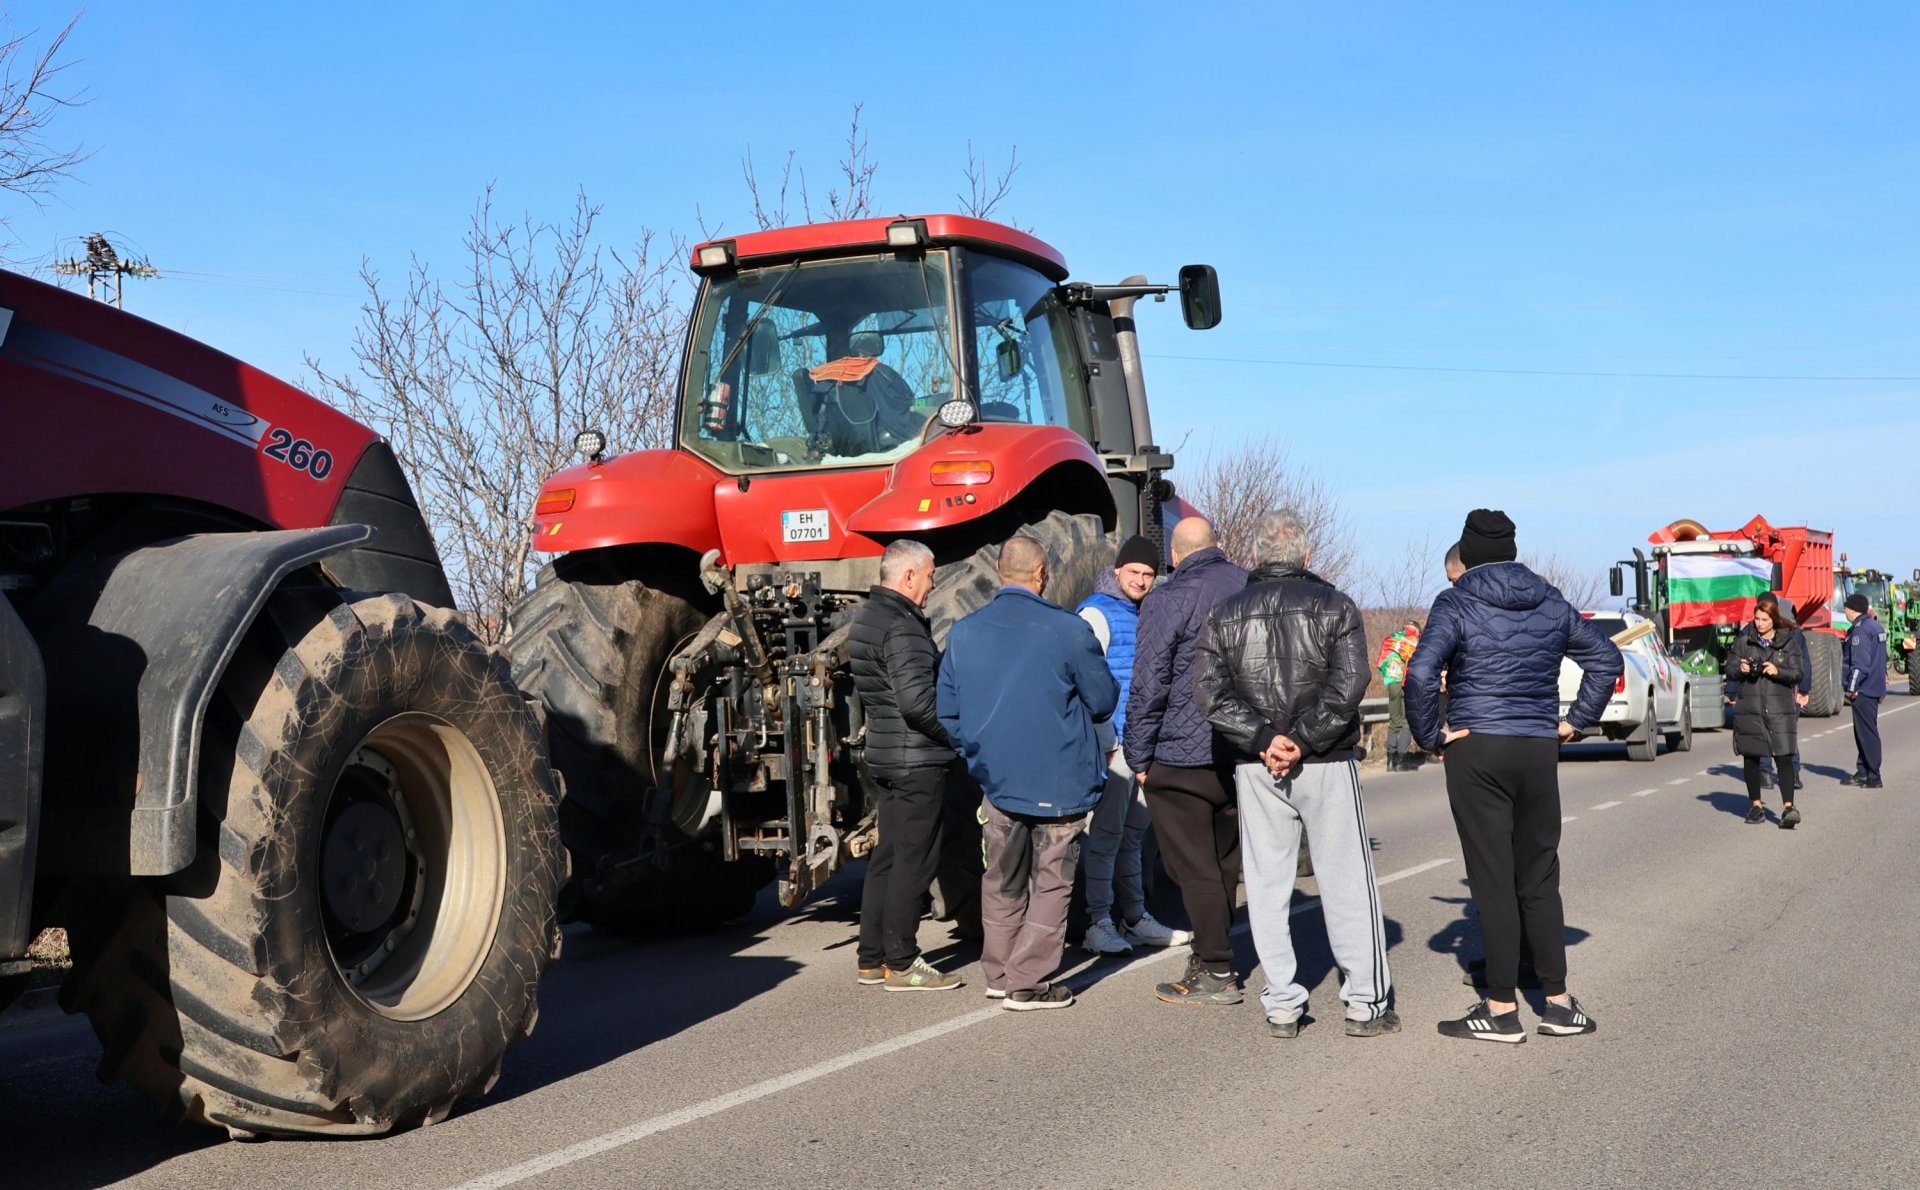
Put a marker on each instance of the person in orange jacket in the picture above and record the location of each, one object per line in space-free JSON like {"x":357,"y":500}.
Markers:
{"x":1395,"y":652}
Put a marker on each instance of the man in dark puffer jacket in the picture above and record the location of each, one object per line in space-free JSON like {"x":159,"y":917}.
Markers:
{"x":894,"y":664}
{"x":1499,"y":634}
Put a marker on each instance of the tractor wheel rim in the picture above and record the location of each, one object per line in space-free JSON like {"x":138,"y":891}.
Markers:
{"x":409,"y":931}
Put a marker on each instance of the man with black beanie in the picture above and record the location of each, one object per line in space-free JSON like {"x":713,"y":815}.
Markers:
{"x":1499,"y":633}
{"x":1866,"y":684}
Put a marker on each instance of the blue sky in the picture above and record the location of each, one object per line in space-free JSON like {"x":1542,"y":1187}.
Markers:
{"x":1724,"y":189}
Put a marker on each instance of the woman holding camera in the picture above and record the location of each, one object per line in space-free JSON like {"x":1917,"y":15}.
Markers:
{"x":1762,"y":670}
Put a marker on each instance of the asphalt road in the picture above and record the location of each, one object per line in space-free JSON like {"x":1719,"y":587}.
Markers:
{"x":1750,"y":985}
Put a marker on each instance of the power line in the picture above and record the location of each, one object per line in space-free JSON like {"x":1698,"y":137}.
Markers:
{"x":1311,"y":363}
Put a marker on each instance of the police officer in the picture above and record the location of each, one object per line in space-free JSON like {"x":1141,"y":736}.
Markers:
{"x":1866,"y":686}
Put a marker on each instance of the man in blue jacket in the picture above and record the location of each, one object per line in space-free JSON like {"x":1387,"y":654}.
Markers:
{"x":1500,"y":633}
{"x":1188,"y":782}
{"x":1866,"y":685}
{"x":1022,"y":687}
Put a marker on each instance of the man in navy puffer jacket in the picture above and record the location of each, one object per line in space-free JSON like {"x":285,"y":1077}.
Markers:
{"x":1499,"y":634}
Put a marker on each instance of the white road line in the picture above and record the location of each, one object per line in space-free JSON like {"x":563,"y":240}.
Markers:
{"x":621,"y":1137}
{"x":1569,"y":818}
{"x":1605,"y":806}
{"x":1680,"y":780}
{"x":1645,"y":793}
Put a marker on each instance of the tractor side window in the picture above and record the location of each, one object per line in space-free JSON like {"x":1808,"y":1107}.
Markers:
{"x":1025,"y":357}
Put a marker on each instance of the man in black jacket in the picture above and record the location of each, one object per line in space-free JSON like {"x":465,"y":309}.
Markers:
{"x":1280,"y":672}
{"x":894,"y":664}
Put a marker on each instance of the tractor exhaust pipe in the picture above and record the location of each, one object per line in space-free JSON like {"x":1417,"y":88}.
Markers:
{"x":1127,"y":342}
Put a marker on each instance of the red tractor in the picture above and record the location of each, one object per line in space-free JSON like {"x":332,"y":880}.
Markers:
{"x":295,"y":817}
{"x":844,"y":384}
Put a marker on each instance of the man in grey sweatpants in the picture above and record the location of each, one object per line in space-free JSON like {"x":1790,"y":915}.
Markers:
{"x":1280,"y":672}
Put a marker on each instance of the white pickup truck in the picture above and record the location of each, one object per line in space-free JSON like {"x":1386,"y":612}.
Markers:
{"x":1653,"y":696}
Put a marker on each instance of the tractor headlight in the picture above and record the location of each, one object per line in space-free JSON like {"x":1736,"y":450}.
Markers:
{"x":591,"y":443}
{"x":955,"y":414}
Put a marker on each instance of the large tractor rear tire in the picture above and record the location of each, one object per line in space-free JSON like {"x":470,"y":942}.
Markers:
{"x":1078,"y":548}
{"x":1823,"y":696}
{"x":361,"y":936}
{"x":591,"y":643}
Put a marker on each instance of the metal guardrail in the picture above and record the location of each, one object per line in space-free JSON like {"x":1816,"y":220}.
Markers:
{"x":1373,"y":710}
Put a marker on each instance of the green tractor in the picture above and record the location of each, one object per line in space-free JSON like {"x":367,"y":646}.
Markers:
{"x":1892,"y":603}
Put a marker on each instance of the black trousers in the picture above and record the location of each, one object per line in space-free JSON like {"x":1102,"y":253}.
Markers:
{"x":1505,"y":794}
{"x":1788,"y":774}
{"x":911,"y":824}
{"x":1866,"y":736}
{"x":1199,"y":834}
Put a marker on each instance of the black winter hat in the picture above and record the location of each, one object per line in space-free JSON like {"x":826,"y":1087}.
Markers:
{"x":1488,"y":537}
{"x":1137,"y":549}
{"x":1857,"y":602}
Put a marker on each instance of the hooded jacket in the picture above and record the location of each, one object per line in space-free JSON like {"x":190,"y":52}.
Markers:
{"x":891,"y":656}
{"x":1162,"y":723}
{"x":1022,"y":685}
{"x":1285,"y":657}
{"x":1500,"y":633}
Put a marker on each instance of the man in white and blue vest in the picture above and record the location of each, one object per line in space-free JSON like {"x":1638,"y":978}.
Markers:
{"x":1111,"y":858}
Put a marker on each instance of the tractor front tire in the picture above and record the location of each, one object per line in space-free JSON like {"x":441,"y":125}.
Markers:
{"x":1823,"y":696}
{"x":591,"y":643}
{"x":360,"y":939}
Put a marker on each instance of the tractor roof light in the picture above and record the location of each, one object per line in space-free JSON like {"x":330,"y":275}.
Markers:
{"x":591,"y":443}
{"x":907,"y":233}
{"x":961,"y":473}
{"x":715,"y":256}
{"x":957,"y":414}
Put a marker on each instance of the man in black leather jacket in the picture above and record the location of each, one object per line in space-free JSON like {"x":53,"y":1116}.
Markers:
{"x":1280,"y":673}
{"x":894,"y":664}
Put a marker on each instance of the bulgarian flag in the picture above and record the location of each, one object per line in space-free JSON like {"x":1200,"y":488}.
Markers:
{"x":1708,"y":589}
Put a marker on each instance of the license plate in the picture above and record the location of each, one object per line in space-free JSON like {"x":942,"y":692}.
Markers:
{"x":805,"y":525}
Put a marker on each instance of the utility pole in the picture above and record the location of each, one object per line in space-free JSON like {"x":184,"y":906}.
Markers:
{"x":101,"y":262}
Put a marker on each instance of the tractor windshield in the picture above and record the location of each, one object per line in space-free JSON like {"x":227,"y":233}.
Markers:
{"x":1023,"y":343}
{"x":832,"y":363}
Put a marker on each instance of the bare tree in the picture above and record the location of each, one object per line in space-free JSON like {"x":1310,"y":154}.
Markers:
{"x":1406,"y":585}
{"x":1580,"y":586}
{"x":1234,"y":487}
{"x":986,"y":191}
{"x":481,"y":386}
{"x":850,"y":197}
{"x":31,"y":95}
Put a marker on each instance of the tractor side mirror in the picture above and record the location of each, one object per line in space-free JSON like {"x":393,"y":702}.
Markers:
{"x":1007,"y":356}
{"x":1200,"y":296}
{"x":1616,"y":583}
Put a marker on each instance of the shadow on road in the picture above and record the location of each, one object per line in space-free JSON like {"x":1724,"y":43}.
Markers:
{"x":1736,"y":804}
{"x":1461,"y":939}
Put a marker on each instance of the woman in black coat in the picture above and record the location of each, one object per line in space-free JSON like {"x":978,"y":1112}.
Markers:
{"x":1762,"y":671}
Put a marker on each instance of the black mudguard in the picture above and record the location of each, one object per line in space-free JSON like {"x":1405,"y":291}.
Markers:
{"x":133,"y":654}
{"x":23,"y":708}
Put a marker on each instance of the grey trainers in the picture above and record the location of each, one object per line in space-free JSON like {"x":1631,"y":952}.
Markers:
{"x":1031,"y":1000}
{"x":921,"y":977}
{"x":1103,"y":937}
{"x":1148,"y":932}
{"x":1201,"y":986}
{"x":1281,"y":1027}
{"x":1386,"y":1022}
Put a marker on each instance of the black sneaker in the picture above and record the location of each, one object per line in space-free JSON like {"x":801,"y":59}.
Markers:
{"x":1789,"y":818}
{"x":1870,"y":783}
{"x":1032,"y":1000}
{"x":1569,"y":1020}
{"x":1201,"y":986}
{"x":1757,"y":814}
{"x":1854,"y":779}
{"x":1480,"y":1024}
{"x":1386,"y":1022}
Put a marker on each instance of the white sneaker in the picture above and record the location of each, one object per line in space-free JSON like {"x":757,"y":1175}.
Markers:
{"x":1148,"y":932}
{"x":1103,"y":937}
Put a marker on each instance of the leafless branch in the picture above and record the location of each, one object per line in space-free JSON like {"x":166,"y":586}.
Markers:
{"x":480,"y":385}
{"x":1581,"y":587}
{"x":984,"y":190}
{"x":31,"y":96}
{"x":1236,"y":486}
